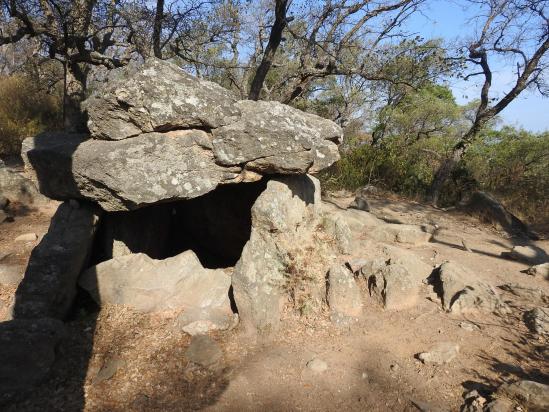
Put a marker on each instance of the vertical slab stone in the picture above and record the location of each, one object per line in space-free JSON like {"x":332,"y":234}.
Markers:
{"x":282,"y":217}
{"x":49,"y":285}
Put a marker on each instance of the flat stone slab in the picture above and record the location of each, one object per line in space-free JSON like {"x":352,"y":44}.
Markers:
{"x":158,"y":134}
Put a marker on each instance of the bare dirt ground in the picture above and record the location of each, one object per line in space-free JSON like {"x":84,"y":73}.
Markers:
{"x":119,"y":360}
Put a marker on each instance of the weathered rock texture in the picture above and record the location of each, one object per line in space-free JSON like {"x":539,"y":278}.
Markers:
{"x":461,"y":292}
{"x":537,"y":320}
{"x":17,"y":188}
{"x":49,"y":285}
{"x":149,"y":285}
{"x":158,"y":134}
{"x":343,"y":295}
{"x":283,"y":218}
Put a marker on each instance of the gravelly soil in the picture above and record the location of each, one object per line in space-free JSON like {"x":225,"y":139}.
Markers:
{"x":371,"y":366}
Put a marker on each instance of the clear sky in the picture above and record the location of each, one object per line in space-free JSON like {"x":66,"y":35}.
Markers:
{"x":448,"y":19}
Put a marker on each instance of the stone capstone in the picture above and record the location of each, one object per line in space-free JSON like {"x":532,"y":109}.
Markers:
{"x":272,"y":137}
{"x":156,"y":96}
{"x":158,"y":134}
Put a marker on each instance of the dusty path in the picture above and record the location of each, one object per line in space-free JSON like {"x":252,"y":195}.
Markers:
{"x":371,"y":366}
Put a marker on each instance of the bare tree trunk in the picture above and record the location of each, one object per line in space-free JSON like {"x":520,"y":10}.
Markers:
{"x":75,"y":92}
{"x":157,"y":29}
{"x":444,"y":172}
{"x":268,"y":57}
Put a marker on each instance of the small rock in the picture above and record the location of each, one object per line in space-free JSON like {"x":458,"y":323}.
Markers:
{"x":27,"y":237}
{"x":110,"y":367}
{"x":537,"y":320}
{"x":317,"y":365}
{"x":203,"y":351}
{"x":539,"y":270}
{"x":4,"y":202}
{"x":198,"y":321}
{"x":439,"y":354}
{"x":468,"y":326}
{"x":361,"y":200}
{"x":10,"y":274}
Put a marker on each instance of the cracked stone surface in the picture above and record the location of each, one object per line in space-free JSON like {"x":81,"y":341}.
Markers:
{"x":158,"y":134}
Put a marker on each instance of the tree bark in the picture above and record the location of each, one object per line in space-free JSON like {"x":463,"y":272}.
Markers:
{"x":157,"y":29}
{"x":268,"y":57}
{"x":75,"y":93}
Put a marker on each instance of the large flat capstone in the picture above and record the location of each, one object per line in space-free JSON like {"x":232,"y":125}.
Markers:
{"x":157,"y":134}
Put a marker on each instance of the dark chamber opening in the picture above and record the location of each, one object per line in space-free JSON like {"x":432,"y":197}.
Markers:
{"x":215,"y":226}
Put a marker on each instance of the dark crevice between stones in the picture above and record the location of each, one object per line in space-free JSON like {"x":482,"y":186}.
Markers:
{"x":436,"y":282}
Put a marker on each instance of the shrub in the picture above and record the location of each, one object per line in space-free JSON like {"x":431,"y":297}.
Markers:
{"x":25,"y":110}
{"x":511,"y":164}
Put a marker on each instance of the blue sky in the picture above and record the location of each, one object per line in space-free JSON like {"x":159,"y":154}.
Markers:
{"x":449,"y":20}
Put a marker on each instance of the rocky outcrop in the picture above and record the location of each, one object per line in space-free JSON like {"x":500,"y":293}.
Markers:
{"x":16,"y":188}
{"x":49,"y":285}
{"x":537,"y":321}
{"x":158,"y":134}
{"x":461,"y":292}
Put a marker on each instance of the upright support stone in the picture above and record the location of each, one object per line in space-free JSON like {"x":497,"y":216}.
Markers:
{"x":283,"y":217}
{"x":49,"y":286}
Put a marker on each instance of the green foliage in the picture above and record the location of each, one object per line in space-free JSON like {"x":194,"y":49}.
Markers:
{"x":429,"y":111}
{"x":511,"y":164}
{"x":514,"y":165}
{"x":393,"y":165}
{"x":25,"y":110}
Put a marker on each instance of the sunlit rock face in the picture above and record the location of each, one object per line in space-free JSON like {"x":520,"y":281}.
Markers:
{"x":158,"y":134}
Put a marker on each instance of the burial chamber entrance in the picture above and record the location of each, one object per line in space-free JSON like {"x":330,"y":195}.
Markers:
{"x":215,"y":226}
